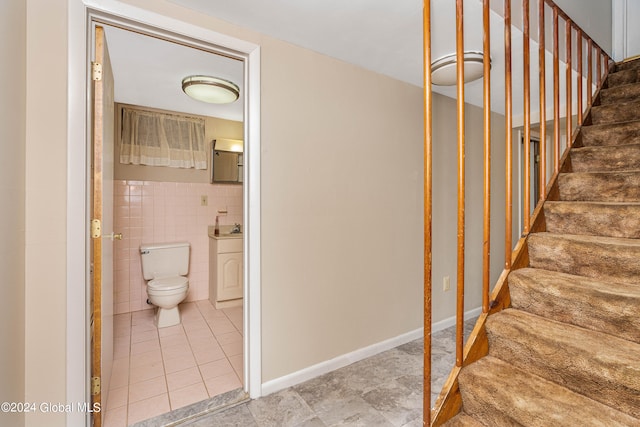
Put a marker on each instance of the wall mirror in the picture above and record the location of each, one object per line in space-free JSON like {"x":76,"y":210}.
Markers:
{"x":226,"y":161}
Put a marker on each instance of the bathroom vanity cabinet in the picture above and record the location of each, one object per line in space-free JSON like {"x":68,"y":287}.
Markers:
{"x":225,"y":271}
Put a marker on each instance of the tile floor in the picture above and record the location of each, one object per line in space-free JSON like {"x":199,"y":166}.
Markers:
{"x":383,"y":390}
{"x":159,"y":370}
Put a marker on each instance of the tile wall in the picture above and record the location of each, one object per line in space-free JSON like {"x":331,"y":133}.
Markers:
{"x":156,"y":212}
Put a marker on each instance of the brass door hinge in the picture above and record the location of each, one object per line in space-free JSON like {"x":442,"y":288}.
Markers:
{"x":95,"y":386}
{"x":96,"y":71}
{"x":95,"y":229}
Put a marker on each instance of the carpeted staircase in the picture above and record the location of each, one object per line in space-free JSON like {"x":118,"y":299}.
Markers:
{"x":567,"y":352}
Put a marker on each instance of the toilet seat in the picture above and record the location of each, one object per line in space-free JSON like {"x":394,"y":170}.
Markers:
{"x":168,"y":283}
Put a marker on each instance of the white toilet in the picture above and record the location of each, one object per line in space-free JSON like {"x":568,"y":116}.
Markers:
{"x":165,"y":266}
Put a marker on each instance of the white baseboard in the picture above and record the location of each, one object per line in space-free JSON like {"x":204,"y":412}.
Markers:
{"x":321,"y":368}
{"x":450,"y":321}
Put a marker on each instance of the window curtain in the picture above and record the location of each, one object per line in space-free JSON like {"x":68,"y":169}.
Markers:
{"x":162,"y":139}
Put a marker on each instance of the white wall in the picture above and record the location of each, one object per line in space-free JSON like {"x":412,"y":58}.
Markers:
{"x":593,"y":16}
{"x":12,"y":187}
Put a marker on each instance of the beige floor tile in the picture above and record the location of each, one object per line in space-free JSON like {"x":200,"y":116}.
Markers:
{"x":222,"y":384}
{"x":216,"y":368}
{"x":148,"y":408}
{"x":175,"y":339}
{"x":116,"y":417}
{"x":146,"y":372}
{"x":181,"y":379}
{"x":146,"y":389}
{"x":143,"y":359}
{"x":179,"y":363}
{"x":174,"y":351}
{"x":233,"y":349}
{"x":229,"y":337}
{"x":188,"y":395}
{"x":142,"y":336}
{"x":117,"y":397}
{"x":145,"y":346}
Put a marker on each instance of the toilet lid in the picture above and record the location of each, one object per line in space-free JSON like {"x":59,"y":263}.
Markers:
{"x":168,"y":283}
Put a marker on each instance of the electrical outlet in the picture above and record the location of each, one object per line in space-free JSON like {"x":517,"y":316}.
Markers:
{"x":446,"y":284}
{"x":204,"y":200}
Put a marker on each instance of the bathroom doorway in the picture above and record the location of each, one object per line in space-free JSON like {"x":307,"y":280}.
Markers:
{"x":249,"y":365}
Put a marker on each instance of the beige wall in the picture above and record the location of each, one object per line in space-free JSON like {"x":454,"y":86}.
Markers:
{"x":342,"y":204}
{"x":12,"y":186}
{"x":214,"y":128}
{"x":341,"y":224}
{"x":445,"y":204}
{"x":46,"y":173}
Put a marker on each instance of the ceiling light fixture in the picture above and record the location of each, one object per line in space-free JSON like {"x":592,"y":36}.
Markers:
{"x":443,"y":70}
{"x":210,"y":89}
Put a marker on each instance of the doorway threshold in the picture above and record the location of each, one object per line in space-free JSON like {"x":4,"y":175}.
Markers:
{"x":191,"y":412}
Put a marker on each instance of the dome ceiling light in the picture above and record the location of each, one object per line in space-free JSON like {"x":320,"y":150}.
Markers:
{"x":212,"y":90}
{"x":443,"y":70}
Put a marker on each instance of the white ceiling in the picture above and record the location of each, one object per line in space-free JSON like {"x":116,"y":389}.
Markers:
{"x":149,"y":72}
{"x":384,"y":36}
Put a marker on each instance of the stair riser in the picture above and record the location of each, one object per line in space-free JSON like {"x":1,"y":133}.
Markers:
{"x":621,"y":134}
{"x":603,"y":261}
{"x":598,"y":306}
{"x":592,"y":219}
{"x":623,"y":93}
{"x":600,"y":159}
{"x":615,"y":113}
{"x":623,"y":77}
{"x":609,"y":379}
{"x":600,"y":187}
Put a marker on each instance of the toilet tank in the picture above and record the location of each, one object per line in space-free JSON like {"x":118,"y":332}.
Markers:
{"x":164,"y":259}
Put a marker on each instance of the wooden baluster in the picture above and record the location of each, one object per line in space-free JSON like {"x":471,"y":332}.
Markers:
{"x":543,"y":99}
{"x":579,"y":46}
{"x":569,"y":41}
{"x":461,"y":177}
{"x":487,"y":159}
{"x":428,"y":204}
{"x":599,"y":64}
{"x":589,"y":72}
{"x":556,"y":93}
{"x":508,"y":112}
{"x":527,"y":116}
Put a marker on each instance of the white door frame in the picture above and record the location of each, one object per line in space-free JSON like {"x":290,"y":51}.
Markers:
{"x":80,"y":12}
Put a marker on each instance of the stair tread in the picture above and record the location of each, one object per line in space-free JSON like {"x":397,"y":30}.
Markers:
{"x":598,"y":365}
{"x":620,"y":92}
{"x":595,"y":304}
{"x":606,"y":158}
{"x":530,"y":400}
{"x":620,"y":133}
{"x":600,"y":186}
{"x":612,"y":259}
{"x":613,"y":219}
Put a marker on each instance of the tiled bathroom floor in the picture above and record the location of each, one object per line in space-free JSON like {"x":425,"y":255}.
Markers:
{"x":382,"y":390}
{"x":159,"y":370}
